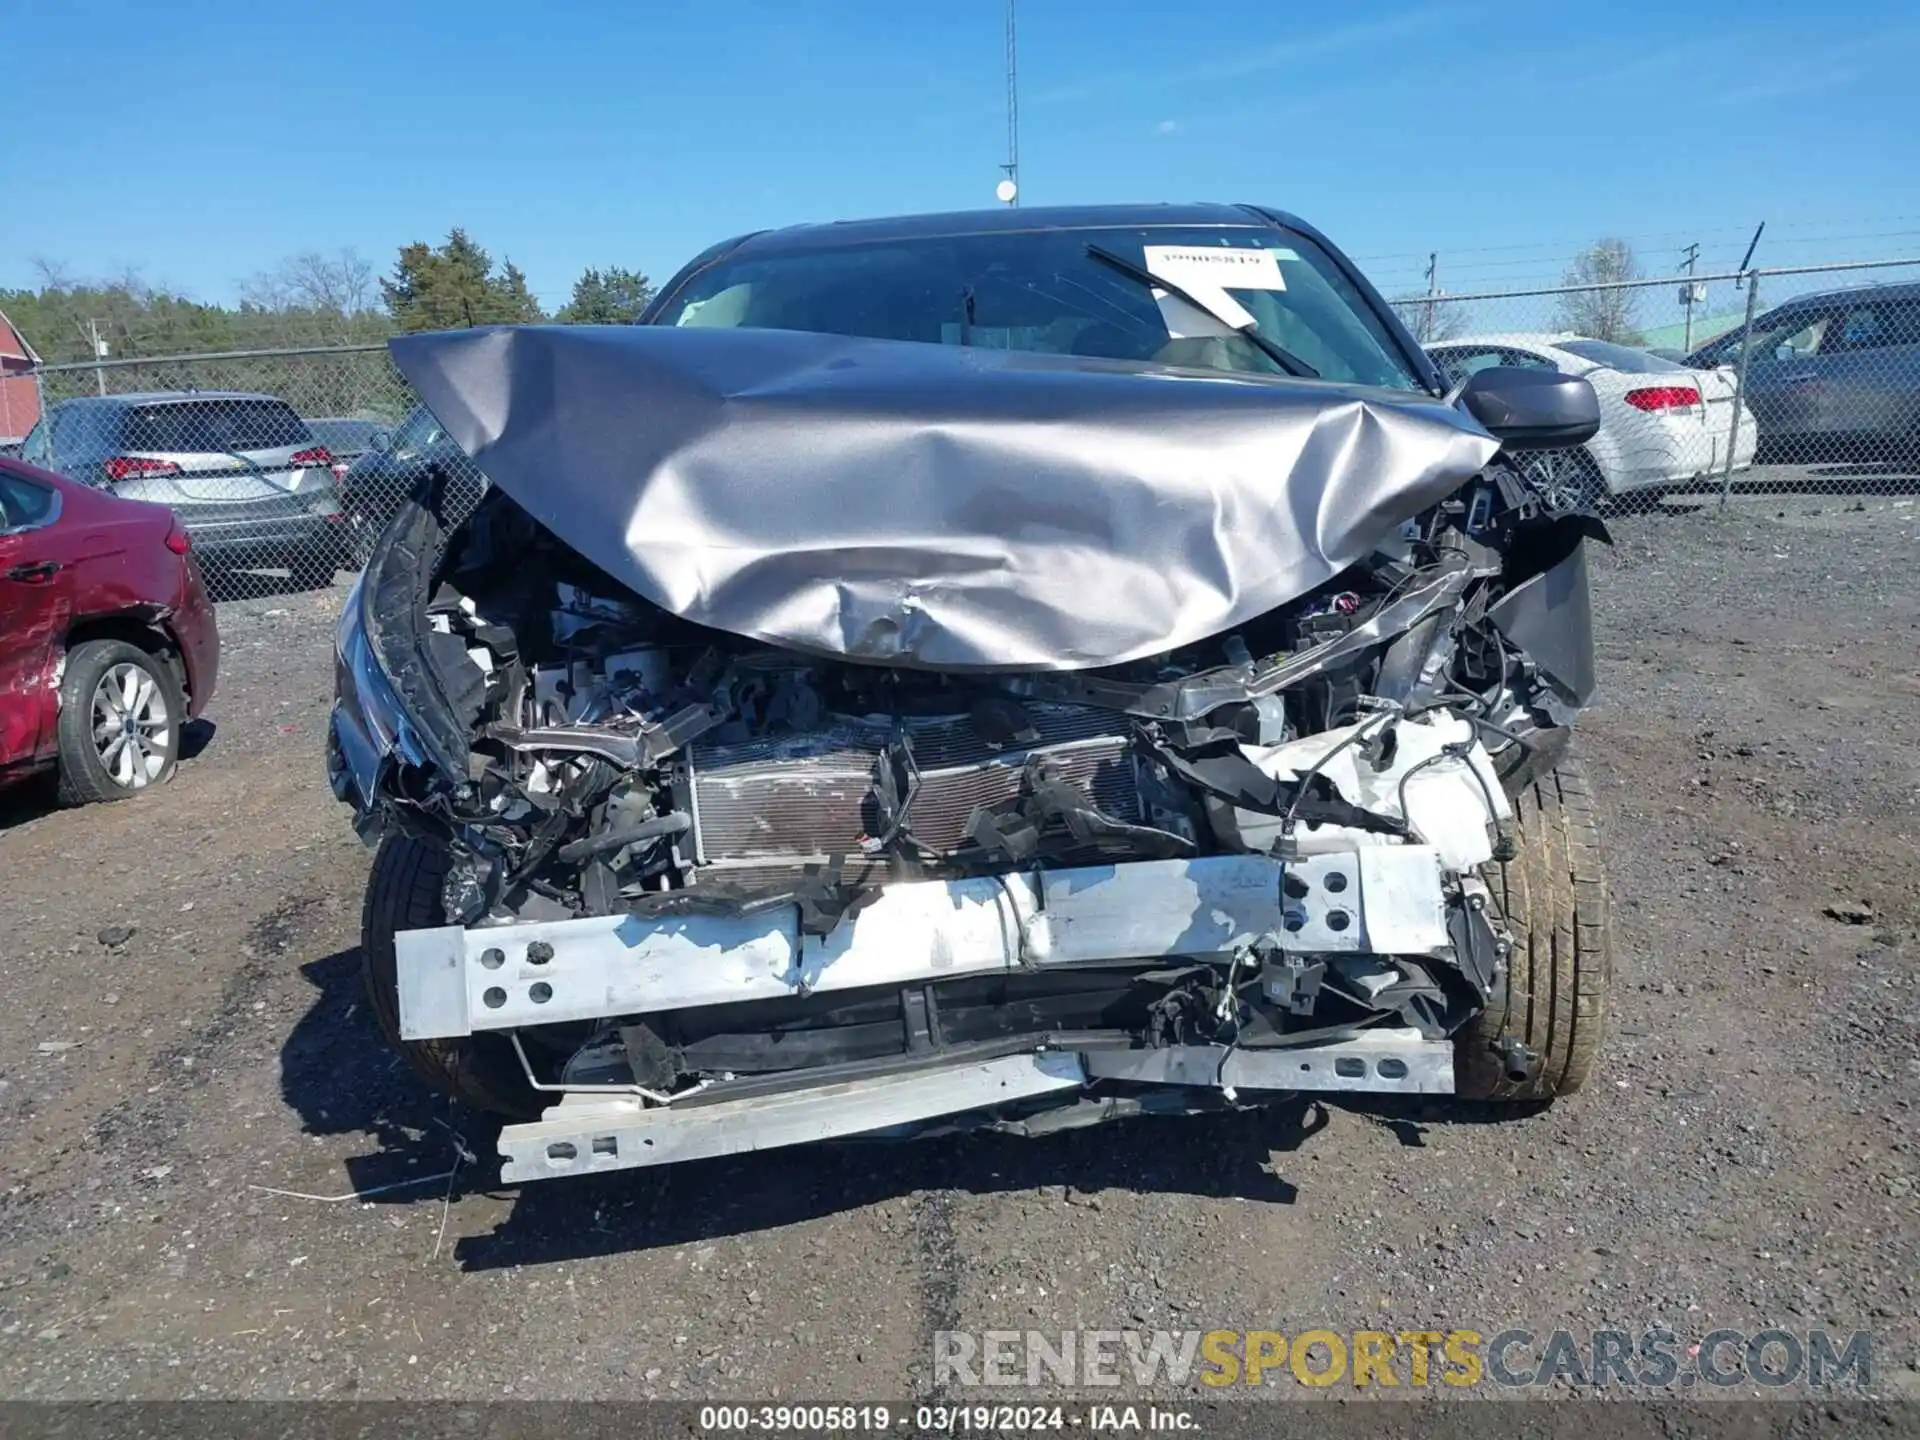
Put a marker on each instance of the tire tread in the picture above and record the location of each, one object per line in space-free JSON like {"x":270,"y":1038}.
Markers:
{"x":403,"y":893}
{"x":1553,"y":899}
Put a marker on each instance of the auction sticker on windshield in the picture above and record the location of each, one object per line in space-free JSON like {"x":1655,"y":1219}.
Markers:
{"x":1207,"y":273}
{"x":1217,"y":266}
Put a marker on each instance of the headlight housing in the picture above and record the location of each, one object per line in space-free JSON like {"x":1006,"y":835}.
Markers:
{"x":369,"y":719}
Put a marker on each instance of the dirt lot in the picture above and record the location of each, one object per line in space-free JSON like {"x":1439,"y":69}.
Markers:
{"x":1747,"y":1158}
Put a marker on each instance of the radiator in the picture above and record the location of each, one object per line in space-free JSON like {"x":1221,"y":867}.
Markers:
{"x":765,"y":809}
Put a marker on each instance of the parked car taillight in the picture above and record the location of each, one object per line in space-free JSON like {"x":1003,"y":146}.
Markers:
{"x":126,"y":467}
{"x":1664,"y":397}
{"x":318,"y":455}
{"x":178,"y":541}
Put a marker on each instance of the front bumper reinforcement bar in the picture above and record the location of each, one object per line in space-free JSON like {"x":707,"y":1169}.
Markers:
{"x":1378,"y":899}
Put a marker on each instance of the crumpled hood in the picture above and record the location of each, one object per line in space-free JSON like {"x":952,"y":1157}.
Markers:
{"x":939,"y":507}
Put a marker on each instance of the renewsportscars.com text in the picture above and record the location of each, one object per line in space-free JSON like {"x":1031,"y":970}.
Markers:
{"x":1513,"y":1358}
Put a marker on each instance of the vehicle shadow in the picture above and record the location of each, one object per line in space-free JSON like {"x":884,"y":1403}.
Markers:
{"x":1838,"y":479}
{"x":1831,"y":479}
{"x":26,"y":800}
{"x":339,"y":1076}
{"x":1410,"y":1117}
{"x":36,"y":796}
{"x":226,"y":585}
{"x":195,"y":737}
{"x":1872,"y":450}
{"x":1214,"y":1156}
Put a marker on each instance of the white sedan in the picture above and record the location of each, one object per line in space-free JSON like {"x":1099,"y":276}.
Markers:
{"x":1661,"y":424}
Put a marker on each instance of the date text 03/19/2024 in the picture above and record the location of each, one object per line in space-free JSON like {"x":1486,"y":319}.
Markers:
{"x":941,"y":1419}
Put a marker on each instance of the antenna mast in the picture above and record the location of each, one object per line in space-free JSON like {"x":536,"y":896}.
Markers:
{"x":1009,"y":189}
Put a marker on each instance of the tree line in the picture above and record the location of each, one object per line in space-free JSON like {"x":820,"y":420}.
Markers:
{"x":1607,"y":308}
{"x":312,"y":299}
{"x":318,"y":299}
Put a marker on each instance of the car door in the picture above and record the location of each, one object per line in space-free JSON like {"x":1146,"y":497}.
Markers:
{"x":1869,"y":367}
{"x":35,"y":596}
{"x":1784,"y":374}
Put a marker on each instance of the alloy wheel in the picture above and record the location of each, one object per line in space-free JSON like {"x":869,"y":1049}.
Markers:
{"x":1562,"y":480}
{"x":132,"y":731}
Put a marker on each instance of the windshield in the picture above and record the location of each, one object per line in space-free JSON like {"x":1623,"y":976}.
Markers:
{"x":1623,"y":358}
{"x":214,"y":427}
{"x":417,"y":432}
{"x":1042,"y":291}
{"x":343,"y":437}
{"x":1780,"y":333}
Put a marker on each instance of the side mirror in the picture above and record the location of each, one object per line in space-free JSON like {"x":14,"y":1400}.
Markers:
{"x":381,"y":440}
{"x":1533,"y":409}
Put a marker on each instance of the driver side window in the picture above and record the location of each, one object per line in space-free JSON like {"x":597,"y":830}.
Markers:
{"x":1525,"y":360}
{"x":1797,"y":343}
{"x":36,"y":449}
{"x":1859,"y":330}
{"x":1457,"y":365}
{"x":23,"y":504}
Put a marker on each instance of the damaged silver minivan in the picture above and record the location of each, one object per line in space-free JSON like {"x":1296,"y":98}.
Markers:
{"x":1016,"y":670}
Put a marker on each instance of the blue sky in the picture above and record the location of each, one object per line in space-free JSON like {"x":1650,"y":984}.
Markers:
{"x":200,"y":141}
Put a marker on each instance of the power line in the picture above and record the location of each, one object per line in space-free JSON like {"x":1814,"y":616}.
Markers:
{"x":1548,"y":267}
{"x":1542,"y":249}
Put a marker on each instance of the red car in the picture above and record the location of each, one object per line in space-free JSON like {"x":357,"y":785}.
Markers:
{"x":107,"y":639}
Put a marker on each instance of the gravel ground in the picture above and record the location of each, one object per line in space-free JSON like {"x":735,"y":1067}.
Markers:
{"x":1746,"y":1159}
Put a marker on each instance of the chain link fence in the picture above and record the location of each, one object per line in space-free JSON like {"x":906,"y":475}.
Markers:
{"x":285,"y":464}
{"x":1778,"y":381}
{"x":282,"y":464}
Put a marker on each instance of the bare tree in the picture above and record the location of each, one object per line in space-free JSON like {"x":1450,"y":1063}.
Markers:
{"x":340,"y":284}
{"x":52,"y":274}
{"x":131,"y":284}
{"x":1605,"y":313}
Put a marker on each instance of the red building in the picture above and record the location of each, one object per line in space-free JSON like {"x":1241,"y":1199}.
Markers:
{"x":19,"y":393}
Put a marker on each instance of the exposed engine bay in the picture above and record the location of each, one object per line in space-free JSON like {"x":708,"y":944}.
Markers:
{"x":812,"y":736}
{"x":625,"y":760}
{"x":685,"y":869}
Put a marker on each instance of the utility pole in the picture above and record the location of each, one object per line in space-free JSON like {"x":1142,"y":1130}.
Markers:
{"x":1688,"y":293}
{"x":1433,"y":291}
{"x":1009,"y":189}
{"x":99,"y":352}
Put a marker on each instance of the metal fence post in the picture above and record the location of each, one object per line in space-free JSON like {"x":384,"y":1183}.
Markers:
{"x":1740,"y":386}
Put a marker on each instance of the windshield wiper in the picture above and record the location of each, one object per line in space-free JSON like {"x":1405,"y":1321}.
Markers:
{"x":1284,"y":358}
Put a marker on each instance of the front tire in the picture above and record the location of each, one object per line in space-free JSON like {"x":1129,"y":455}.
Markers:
{"x":403,"y":893}
{"x":121,"y":709}
{"x":1553,"y":1001}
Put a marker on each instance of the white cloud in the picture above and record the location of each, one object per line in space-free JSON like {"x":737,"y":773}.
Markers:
{"x":1250,"y":60}
{"x":1166,"y":127}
